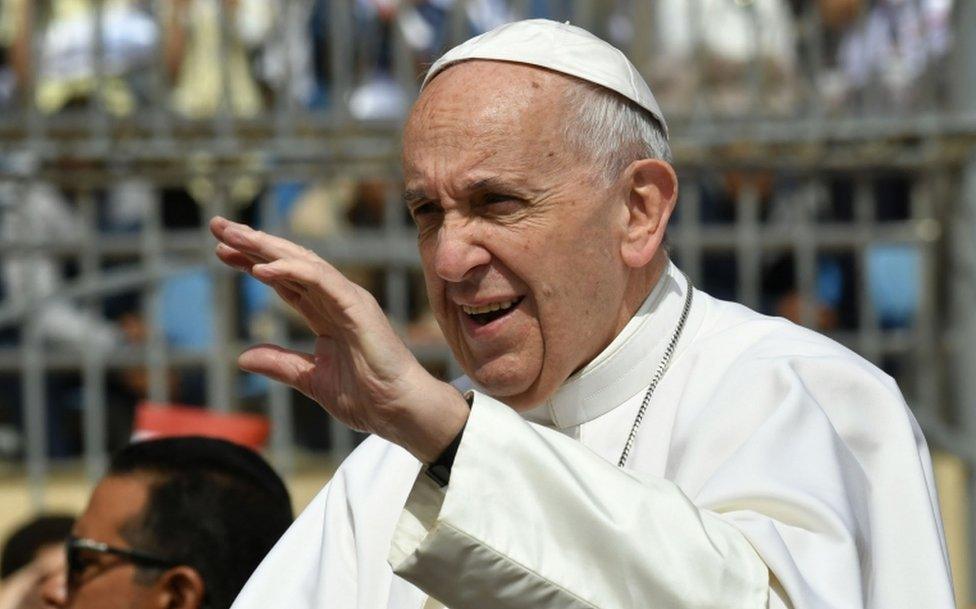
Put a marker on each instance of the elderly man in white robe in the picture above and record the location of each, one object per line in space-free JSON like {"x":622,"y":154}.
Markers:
{"x":621,"y":439}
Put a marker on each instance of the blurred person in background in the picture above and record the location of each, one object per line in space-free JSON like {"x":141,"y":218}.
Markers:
{"x":52,"y":47}
{"x":712,"y":52}
{"x":207,"y":46}
{"x":34,"y":280}
{"x":424,"y":27}
{"x":881,"y":54}
{"x":64,"y":71}
{"x":177,"y":523}
{"x":225,"y":58}
{"x":33,"y":554}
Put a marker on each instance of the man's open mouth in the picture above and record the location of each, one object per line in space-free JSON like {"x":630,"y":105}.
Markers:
{"x":489,"y":313}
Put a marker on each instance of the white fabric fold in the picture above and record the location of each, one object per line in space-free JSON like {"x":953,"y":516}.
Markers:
{"x":567,"y":549}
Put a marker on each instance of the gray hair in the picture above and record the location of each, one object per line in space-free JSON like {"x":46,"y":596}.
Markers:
{"x":610,"y":131}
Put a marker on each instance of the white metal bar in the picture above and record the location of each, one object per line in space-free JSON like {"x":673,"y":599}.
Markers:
{"x":152,"y":295}
{"x":458,"y":22}
{"x":97,"y":109}
{"x":34,"y":406}
{"x":963,"y":82}
{"x":93,"y":362}
{"x":403,"y":60}
{"x":220,"y":378}
{"x":397,"y":283}
{"x":748,"y":248}
{"x":159,"y":112}
{"x":814,"y":32}
{"x":284,"y":101}
{"x":280,"y":406}
{"x":225,"y":117}
{"x":805,"y":259}
{"x":756,"y":70}
{"x":869,"y":338}
{"x":689,"y":230}
{"x":962,"y":227}
{"x":36,"y":123}
{"x":926,"y":352}
{"x":341,"y":28}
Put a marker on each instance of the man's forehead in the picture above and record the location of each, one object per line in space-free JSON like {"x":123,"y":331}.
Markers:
{"x":485,"y":87}
{"x":114,"y":503}
{"x":477,"y":102}
{"x":480,"y":120}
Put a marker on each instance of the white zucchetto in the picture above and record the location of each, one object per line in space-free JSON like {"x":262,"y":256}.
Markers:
{"x":560,"y":47}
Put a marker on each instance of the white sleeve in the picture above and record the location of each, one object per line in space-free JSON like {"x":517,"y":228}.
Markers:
{"x":533,"y":519}
{"x":333,"y":556}
{"x":294,"y":573}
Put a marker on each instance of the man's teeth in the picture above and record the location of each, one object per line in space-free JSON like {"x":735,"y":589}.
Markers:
{"x":495,"y":306}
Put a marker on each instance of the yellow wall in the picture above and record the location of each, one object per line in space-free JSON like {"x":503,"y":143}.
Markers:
{"x":950,"y":476}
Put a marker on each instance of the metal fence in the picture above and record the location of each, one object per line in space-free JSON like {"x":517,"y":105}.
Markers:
{"x":796,"y":199}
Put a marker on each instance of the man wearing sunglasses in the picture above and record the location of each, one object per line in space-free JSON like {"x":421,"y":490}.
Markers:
{"x":178,"y":523}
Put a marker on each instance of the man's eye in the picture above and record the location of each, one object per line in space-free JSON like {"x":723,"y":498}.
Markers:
{"x":500,"y":203}
{"x":423,"y":210}
{"x":83,"y":564}
{"x":425,"y":215}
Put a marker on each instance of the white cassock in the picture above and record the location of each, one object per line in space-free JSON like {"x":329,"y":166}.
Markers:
{"x":774,"y":468}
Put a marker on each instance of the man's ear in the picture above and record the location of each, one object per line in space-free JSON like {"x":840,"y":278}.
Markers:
{"x":179,"y":588}
{"x":652,"y":190}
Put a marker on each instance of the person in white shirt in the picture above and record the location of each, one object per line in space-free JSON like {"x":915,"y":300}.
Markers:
{"x":621,"y":440}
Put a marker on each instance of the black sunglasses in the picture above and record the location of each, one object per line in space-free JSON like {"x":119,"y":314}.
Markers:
{"x":77,"y":546}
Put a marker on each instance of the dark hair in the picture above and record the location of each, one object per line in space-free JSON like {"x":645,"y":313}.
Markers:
{"x":23,"y":544}
{"x":213,"y":505}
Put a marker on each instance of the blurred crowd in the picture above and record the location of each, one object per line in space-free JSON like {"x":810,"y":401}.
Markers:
{"x":200,"y":58}
{"x":196,"y":56}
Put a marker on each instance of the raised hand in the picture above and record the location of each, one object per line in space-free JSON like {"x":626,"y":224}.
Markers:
{"x":360,"y":372}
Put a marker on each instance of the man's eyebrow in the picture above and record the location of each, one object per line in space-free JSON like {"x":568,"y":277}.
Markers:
{"x":413,"y":196}
{"x":490,"y":183}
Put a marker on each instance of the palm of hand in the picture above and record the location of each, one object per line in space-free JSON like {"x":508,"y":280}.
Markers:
{"x":360,"y":374}
{"x":360,"y":371}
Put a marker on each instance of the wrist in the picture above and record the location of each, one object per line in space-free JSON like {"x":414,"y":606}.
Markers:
{"x":436,"y":423}
{"x":440,"y":470}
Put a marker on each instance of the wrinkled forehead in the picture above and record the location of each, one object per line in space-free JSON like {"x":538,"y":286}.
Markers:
{"x":480,"y":99}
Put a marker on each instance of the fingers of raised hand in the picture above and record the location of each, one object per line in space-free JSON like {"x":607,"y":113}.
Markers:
{"x":311,"y":285}
{"x":324,"y":288}
{"x":236,"y":249}
{"x":284,"y":365}
{"x":233,"y":258}
{"x":242,"y":262}
{"x":257,"y":245}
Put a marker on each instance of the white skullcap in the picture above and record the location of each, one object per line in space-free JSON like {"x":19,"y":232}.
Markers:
{"x":560,"y":47}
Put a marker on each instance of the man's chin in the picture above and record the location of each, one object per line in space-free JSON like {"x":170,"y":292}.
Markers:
{"x":511,"y":389}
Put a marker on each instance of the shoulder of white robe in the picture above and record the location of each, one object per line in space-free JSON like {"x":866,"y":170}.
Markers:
{"x":849,"y":483}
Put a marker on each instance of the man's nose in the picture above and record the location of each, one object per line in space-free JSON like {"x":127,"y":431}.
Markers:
{"x":459,"y":251}
{"x":54,"y":591}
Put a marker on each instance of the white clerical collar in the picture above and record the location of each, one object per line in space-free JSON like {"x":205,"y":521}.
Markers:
{"x":622,"y":369}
